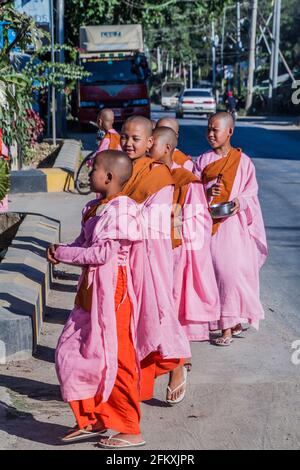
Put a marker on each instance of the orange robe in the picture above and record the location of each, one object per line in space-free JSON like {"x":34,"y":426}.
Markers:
{"x":122,"y":410}
{"x":226,"y":168}
{"x":180,"y":158}
{"x":114,"y":141}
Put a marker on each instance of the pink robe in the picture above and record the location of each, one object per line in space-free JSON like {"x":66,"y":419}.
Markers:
{"x":239,"y":249}
{"x":86,"y":355}
{"x":157,"y":302}
{"x":195,"y":288}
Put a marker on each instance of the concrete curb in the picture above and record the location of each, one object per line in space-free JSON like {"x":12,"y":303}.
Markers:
{"x":56,"y":179}
{"x":25,"y":277}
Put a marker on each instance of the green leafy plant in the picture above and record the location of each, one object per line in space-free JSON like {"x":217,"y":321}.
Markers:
{"x":4,"y":178}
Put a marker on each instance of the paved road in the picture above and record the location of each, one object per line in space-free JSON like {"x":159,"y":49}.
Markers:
{"x":242,"y":397}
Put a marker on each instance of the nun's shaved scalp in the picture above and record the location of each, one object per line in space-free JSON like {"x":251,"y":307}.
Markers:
{"x":168,"y":122}
{"x":166,"y":135}
{"x":142,"y":121}
{"x":118,"y":163}
{"x":107,"y":114}
{"x":225,"y":118}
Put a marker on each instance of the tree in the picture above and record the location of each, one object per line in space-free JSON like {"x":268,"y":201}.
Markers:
{"x":15,"y":91}
{"x":16,"y":88}
{"x":181,"y":28}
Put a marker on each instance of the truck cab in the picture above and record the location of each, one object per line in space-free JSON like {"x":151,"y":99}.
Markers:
{"x":114,"y":57}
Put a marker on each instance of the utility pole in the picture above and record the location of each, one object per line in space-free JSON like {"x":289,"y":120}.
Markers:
{"x":61,"y":110}
{"x":238,"y":45}
{"x":251,"y":65}
{"x":222,"y":44}
{"x":158,"y":60}
{"x":191,"y":74}
{"x":167,"y":65}
{"x":213,"y":45}
{"x":273,"y":75}
{"x":53,"y":100}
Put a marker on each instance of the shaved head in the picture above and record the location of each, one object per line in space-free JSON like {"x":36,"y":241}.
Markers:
{"x":165,"y":135}
{"x":116,"y":162}
{"x":141,"y":121}
{"x":225,"y":119}
{"x":168,"y":122}
{"x":107,"y":114}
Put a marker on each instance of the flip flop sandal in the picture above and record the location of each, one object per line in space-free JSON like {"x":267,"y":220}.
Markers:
{"x":81,"y":434}
{"x":124,"y":443}
{"x":182,"y":395}
{"x":223,"y":341}
{"x":238,"y":333}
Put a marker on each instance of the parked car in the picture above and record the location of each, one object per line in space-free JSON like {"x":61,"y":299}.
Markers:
{"x":196,"y":101}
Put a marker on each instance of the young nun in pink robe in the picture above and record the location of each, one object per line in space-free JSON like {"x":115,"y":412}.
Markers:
{"x":152,"y":186}
{"x":238,"y":244}
{"x":97,"y":357}
{"x":195,"y":289}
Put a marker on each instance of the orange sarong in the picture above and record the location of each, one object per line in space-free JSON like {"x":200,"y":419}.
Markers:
{"x":151,"y":367}
{"x":122,"y":410}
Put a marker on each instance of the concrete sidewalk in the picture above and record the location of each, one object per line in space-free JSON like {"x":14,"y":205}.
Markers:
{"x":242,"y":397}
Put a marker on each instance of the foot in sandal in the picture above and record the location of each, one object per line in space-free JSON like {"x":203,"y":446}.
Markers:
{"x":77,"y":434}
{"x":177,"y":385}
{"x":225,"y":339}
{"x":121,"y":441}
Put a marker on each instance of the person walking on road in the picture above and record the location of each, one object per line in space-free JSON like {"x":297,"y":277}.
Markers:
{"x":238,"y":245}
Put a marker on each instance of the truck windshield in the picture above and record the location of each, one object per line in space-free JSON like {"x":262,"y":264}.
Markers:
{"x":114,"y":71}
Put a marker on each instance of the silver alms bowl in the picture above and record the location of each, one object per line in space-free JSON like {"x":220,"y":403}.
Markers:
{"x":218,"y":211}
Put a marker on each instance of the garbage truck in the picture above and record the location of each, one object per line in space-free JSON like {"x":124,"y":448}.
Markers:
{"x":114,"y":56}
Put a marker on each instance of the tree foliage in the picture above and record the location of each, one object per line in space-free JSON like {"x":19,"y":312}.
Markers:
{"x":180,"y":27}
{"x":16,"y":88}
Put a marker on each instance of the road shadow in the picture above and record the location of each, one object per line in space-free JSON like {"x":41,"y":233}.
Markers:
{"x":288,"y":237}
{"x":34,"y":389}
{"x":23,"y":425}
{"x":157,"y":402}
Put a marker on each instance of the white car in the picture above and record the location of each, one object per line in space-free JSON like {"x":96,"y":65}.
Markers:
{"x":196,"y":101}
